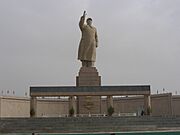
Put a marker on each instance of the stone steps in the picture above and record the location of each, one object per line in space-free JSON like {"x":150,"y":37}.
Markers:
{"x":86,"y":124}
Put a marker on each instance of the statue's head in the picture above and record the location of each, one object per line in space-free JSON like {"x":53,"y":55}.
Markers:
{"x":89,"y":21}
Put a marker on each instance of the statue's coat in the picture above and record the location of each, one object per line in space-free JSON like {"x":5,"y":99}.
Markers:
{"x":88,"y":43}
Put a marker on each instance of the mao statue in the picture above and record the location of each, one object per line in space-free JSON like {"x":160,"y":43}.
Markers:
{"x":88,"y":42}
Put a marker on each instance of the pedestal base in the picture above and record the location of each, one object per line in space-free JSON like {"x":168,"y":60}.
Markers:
{"x":88,"y":76}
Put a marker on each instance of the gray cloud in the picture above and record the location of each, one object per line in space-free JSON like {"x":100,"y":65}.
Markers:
{"x":139,"y":42}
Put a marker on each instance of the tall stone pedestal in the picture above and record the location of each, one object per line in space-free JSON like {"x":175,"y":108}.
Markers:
{"x":88,"y":76}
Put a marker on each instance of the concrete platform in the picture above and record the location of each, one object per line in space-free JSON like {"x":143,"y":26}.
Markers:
{"x":88,"y":124}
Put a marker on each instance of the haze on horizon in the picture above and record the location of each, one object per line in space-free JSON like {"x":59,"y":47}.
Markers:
{"x":138,"y":42}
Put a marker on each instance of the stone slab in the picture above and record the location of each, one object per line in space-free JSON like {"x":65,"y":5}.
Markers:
{"x":90,"y":90}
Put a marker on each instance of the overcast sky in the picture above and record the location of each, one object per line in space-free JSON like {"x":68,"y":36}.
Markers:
{"x":139,"y":42}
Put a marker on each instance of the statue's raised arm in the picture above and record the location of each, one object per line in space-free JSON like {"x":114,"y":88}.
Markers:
{"x":84,"y":13}
{"x":82,"y":20}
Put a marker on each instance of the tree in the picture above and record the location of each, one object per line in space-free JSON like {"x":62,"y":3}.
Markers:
{"x":32,"y":113}
{"x":149,"y":110}
{"x":71,"y":112}
{"x":110,"y":111}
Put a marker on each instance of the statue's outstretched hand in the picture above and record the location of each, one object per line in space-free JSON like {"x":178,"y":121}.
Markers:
{"x":84,"y":14}
{"x":96,"y":44}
